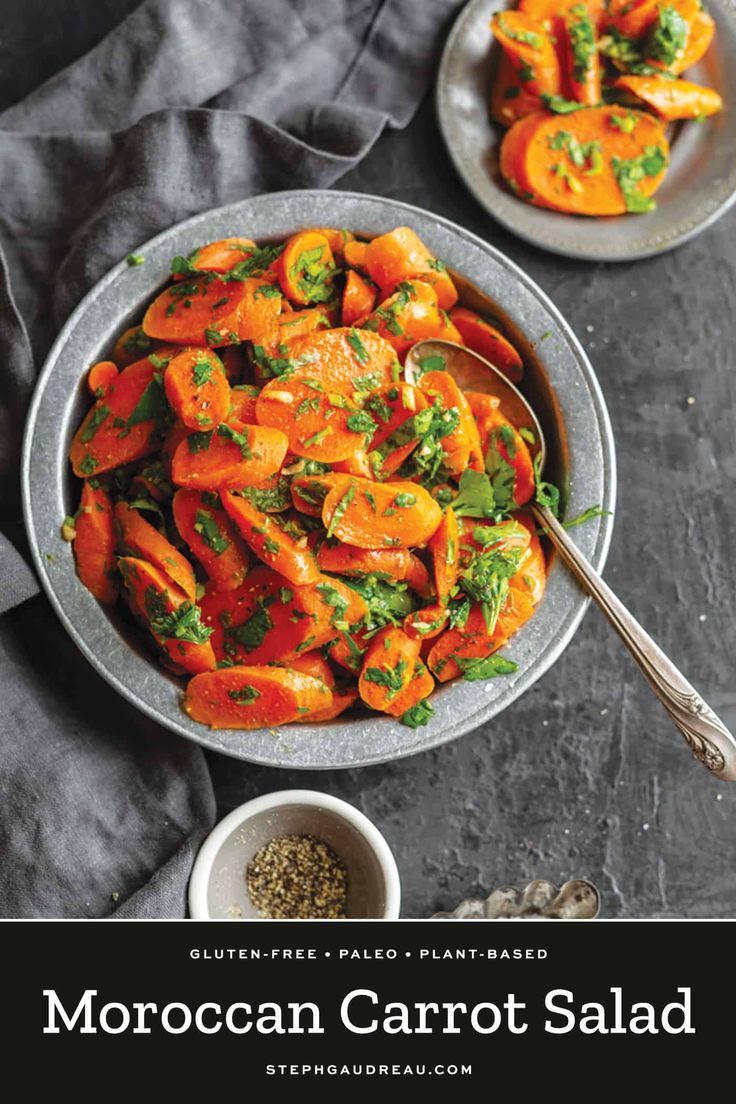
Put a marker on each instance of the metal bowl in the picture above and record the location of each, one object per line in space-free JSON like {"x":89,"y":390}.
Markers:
{"x":559,"y":379}
{"x":699,"y":187}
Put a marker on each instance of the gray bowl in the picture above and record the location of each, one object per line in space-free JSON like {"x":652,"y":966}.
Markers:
{"x":699,"y":187}
{"x":559,"y":379}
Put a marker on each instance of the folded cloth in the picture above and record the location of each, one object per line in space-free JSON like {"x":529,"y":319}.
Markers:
{"x":182,"y":107}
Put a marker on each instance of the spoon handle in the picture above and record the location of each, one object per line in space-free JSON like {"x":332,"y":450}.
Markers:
{"x":705,"y":733}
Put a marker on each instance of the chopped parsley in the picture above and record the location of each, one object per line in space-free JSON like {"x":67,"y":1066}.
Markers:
{"x":239,"y":439}
{"x":340,"y":509}
{"x":133,"y":260}
{"x":582,"y":42}
{"x":630,"y":173}
{"x":98,"y":416}
{"x":252,"y":632}
{"x":419,"y":714}
{"x":361,"y":423}
{"x":245,"y":696}
{"x":559,"y":105}
{"x":202,"y":371}
{"x":210,"y":532}
{"x":492,"y":666}
{"x":151,"y":406}
{"x":392,"y":678}
{"x":356,"y":344}
{"x":184,"y":623}
{"x":668,"y":36}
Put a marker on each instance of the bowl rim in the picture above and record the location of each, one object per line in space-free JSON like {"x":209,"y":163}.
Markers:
{"x":506,"y":216}
{"x":365,"y":206}
{"x":199,"y":879}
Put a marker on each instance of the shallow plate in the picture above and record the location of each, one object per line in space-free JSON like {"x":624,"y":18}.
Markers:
{"x":559,"y":378}
{"x":699,"y":187}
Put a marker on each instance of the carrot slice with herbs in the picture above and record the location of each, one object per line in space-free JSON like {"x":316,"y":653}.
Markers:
{"x":427,"y":623}
{"x":213,"y":539}
{"x":122,"y":425}
{"x":393,"y":678}
{"x":293,"y":324}
{"x":507,"y":457}
{"x":456,"y":647}
{"x":101,"y":376}
{"x":444,"y":548}
{"x":320,"y":424}
{"x":198,"y":311}
{"x":357,"y":464}
{"x":306,"y":268}
{"x":308,"y":492}
{"x":582,"y":65}
{"x":342,"y":696}
{"x":358,"y":298}
{"x":174,"y":620}
{"x":94,"y":544}
{"x":243,"y":403}
{"x":462,"y":446}
{"x":219,"y":256}
{"x":197,"y":388}
{"x":348,"y":559}
{"x":527,"y":44}
{"x":483,"y":338}
{"x":701,"y":32}
{"x":510,"y":98}
{"x":232,"y":456}
{"x":632,"y":17}
{"x":347,"y":360}
{"x":401,"y":255}
{"x":410,"y":315}
{"x":597,"y":161}
{"x":140,"y":539}
{"x":254,"y":697}
{"x":391,"y":408}
{"x":673,"y":99}
{"x":291,"y":558}
{"x":338,"y":239}
{"x":380,"y":515}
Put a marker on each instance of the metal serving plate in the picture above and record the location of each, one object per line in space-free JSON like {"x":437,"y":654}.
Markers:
{"x":559,"y":378}
{"x":699,"y":187}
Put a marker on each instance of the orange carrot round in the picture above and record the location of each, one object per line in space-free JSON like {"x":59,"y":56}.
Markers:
{"x":358,"y":298}
{"x":444,"y":547}
{"x":582,"y":65}
{"x":140,"y":539}
{"x":342,"y":697}
{"x":527,"y":44}
{"x":234,"y":455}
{"x":220,"y":256}
{"x":272,"y":544}
{"x":344,"y":359}
{"x":101,"y":376}
{"x":401,"y":255}
{"x":320,"y":424}
{"x":380,"y":515}
{"x":94,"y":544}
{"x":213,"y":539}
{"x":462,"y":447}
{"x":254,"y":697}
{"x":197,"y":311}
{"x":197,"y":388}
{"x":410,"y":315}
{"x":393,"y":678}
{"x":306,"y":268}
{"x":673,"y":99}
{"x":483,"y":338}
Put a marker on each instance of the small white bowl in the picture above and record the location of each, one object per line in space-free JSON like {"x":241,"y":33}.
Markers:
{"x":217,"y":888}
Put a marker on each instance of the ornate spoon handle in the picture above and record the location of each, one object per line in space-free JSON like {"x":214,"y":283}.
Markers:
{"x":706,"y":735}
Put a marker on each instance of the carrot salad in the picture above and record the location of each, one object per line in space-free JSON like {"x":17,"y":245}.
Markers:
{"x":296,"y":526}
{"x":587,"y":89}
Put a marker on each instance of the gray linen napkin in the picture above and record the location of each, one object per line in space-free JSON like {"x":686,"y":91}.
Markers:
{"x":184,"y":106}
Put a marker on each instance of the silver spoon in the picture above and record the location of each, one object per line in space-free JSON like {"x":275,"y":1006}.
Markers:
{"x":706,"y":735}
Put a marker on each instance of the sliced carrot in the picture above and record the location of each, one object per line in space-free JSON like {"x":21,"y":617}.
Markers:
{"x":197,"y":388}
{"x":140,"y":539}
{"x":582,"y":64}
{"x":337,"y":239}
{"x":258,"y":311}
{"x":582,"y":163}
{"x":254,"y":697}
{"x":221,"y":256}
{"x":174,"y":620}
{"x":546,"y":11}
{"x":513,"y":151}
{"x":358,"y":298}
{"x":121,"y":426}
{"x":344,"y":359}
{"x":702,"y":30}
{"x":527,"y":44}
{"x":410,"y":315}
{"x":94,"y":544}
{"x":243,"y":403}
{"x":212,"y":537}
{"x":306,"y":268}
{"x":531,"y":578}
{"x":233,"y":456}
{"x":275,"y":547}
{"x":632,"y":17}
{"x":347,"y":650}
{"x":342,"y":698}
{"x":513,"y":409}
{"x":444,"y":548}
{"x":401,"y":255}
{"x":673,"y":99}
{"x":427,"y":623}
{"x":483,"y":338}
{"x":348,"y":559}
{"x":132,"y":344}
{"x":199,"y":311}
{"x":320,"y":424}
{"x":473,"y":641}
{"x":393,"y":678}
{"x":293,"y":324}
{"x":391,"y":408}
{"x":506,"y":446}
{"x":101,"y":376}
{"x":308,"y":492}
{"x":462,"y":447}
{"x":357,"y":464}
{"x":381,"y":515}
{"x":510,"y":98}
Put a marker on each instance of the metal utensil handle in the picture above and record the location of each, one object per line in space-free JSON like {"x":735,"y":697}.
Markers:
{"x":706,"y":735}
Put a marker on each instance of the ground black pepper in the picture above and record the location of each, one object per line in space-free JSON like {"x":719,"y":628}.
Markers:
{"x":298,"y":878}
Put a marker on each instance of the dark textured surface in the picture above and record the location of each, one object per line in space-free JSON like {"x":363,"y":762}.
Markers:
{"x":585,"y":776}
